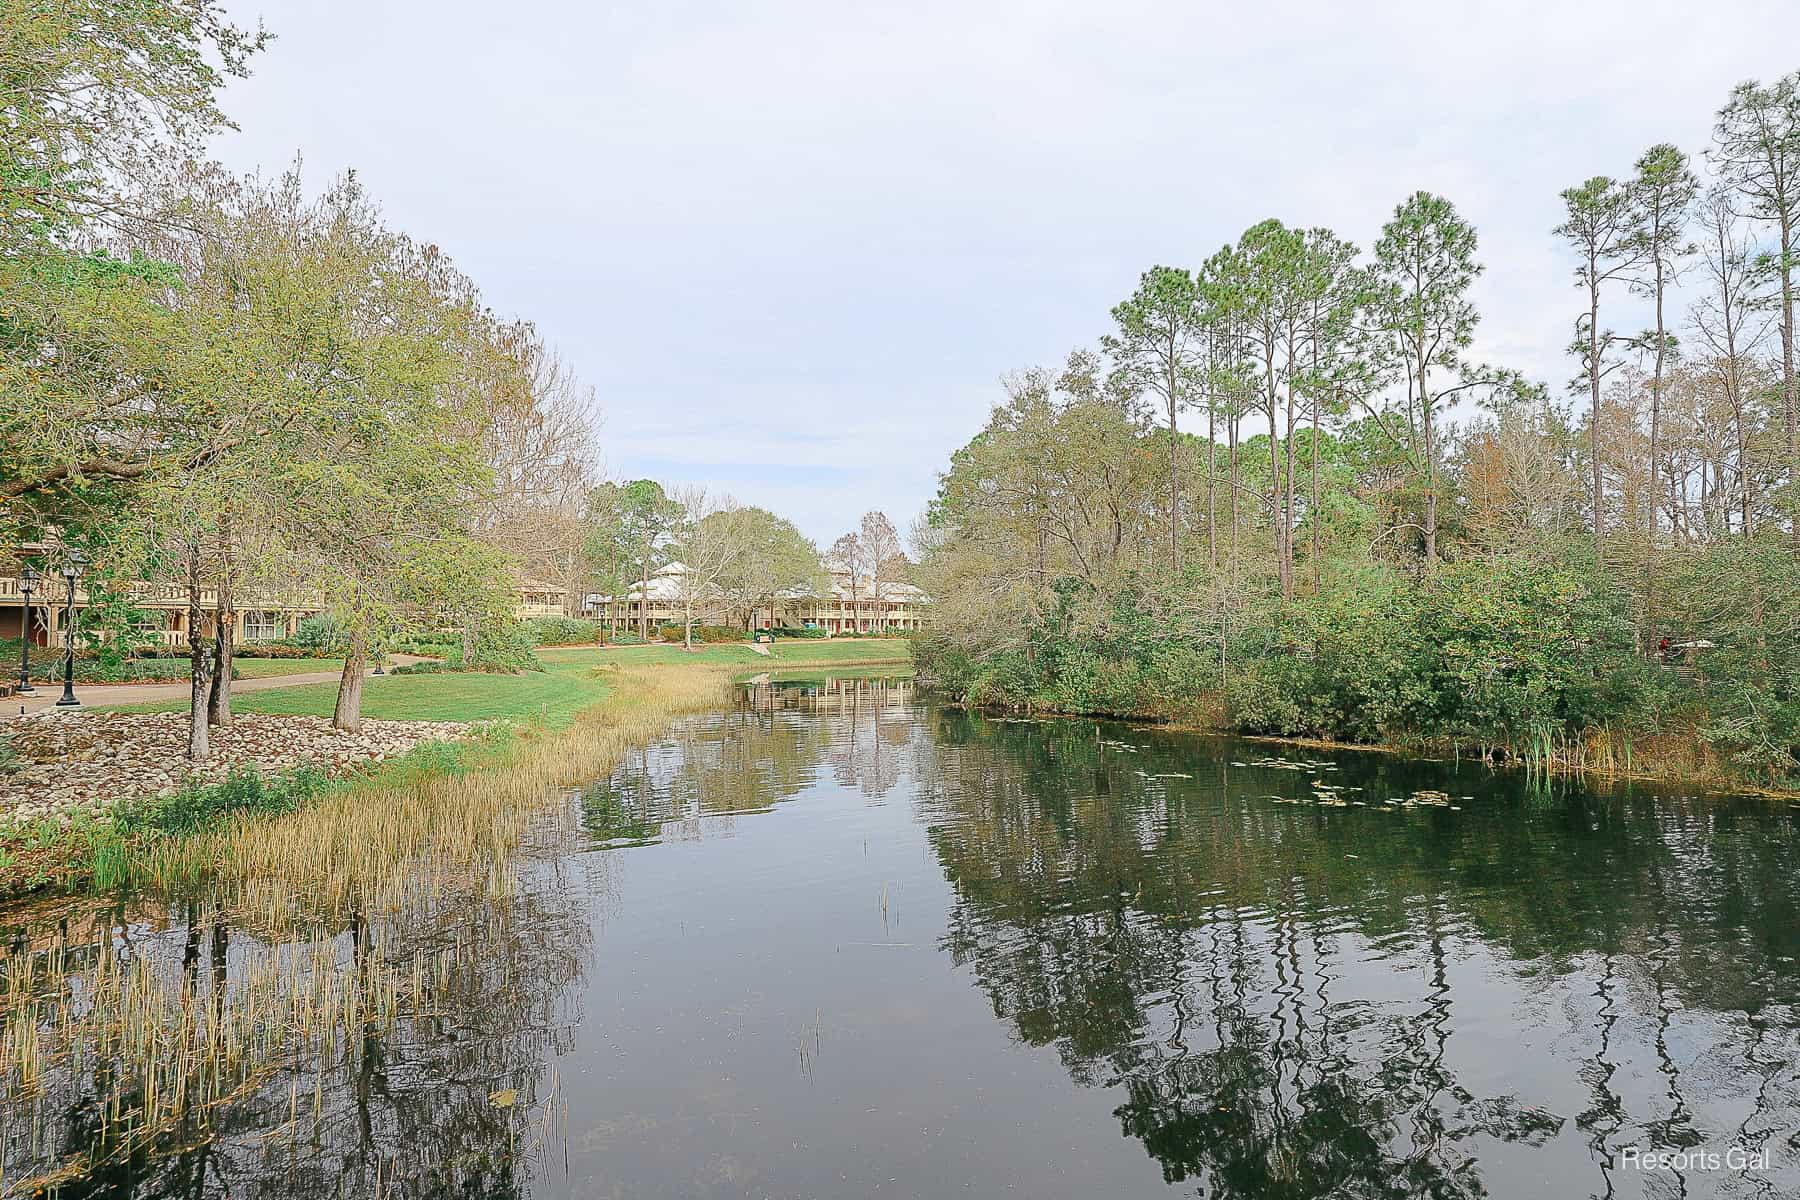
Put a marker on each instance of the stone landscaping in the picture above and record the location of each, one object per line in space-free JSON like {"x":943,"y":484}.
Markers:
{"x":67,"y":762}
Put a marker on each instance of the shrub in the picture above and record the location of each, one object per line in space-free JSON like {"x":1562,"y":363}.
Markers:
{"x":432,"y":645}
{"x":624,"y":637}
{"x":281,"y":649}
{"x":802,"y":631}
{"x":505,"y":648}
{"x":562,"y":631}
{"x":323,"y":633}
{"x":705,"y":633}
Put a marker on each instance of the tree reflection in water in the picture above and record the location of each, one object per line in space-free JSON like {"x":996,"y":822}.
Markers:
{"x":1282,"y":997}
{"x":773,"y":747}
{"x":427,"y":1074}
{"x":1275,"y":987}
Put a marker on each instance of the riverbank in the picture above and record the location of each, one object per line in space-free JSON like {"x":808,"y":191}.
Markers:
{"x":1673,"y":757}
{"x":332,"y":839}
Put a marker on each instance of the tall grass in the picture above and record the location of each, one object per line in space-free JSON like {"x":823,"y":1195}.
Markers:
{"x":451,"y":808}
{"x":353,"y":907}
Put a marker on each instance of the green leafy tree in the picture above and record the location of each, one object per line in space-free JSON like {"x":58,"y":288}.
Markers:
{"x":1158,"y":344}
{"x":773,"y":559}
{"x":89,"y":89}
{"x":1662,"y":194}
{"x":1598,"y":227}
{"x":1422,"y":321}
{"x":632,"y":526}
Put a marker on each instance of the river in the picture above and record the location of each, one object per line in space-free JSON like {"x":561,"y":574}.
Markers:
{"x":839,"y":940}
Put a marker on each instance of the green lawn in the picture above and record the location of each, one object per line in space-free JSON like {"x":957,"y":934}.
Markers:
{"x":794,"y":650}
{"x":262,"y":668}
{"x":553,"y":696}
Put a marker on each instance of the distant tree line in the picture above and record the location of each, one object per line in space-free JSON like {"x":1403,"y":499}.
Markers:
{"x":1253,"y":503}
{"x":740,"y":559}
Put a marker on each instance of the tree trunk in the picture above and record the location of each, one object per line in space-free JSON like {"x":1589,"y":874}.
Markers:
{"x":1656,"y":385}
{"x":1231,"y":433}
{"x":1312,"y":513}
{"x":687,"y":624}
{"x":1212,"y":487}
{"x":1281,"y":559}
{"x":644,"y":595}
{"x":1287,"y":499}
{"x":1174,"y":487}
{"x":1790,"y":388}
{"x":218,"y":702}
{"x":347,"y":716}
{"x":199,"y":663}
{"x":1594,"y":403}
{"x":1428,"y":431}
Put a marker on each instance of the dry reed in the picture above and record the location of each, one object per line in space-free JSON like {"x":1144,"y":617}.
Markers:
{"x":403,"y":860}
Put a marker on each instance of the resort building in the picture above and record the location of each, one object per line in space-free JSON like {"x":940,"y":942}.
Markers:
{"x":852,"y":606}
{"x":259,"y":617}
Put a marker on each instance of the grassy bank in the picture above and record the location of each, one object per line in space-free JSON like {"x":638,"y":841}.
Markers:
{"x":1677,"y":755}
{"x":465,"y":801}
{"x":551,"y":697}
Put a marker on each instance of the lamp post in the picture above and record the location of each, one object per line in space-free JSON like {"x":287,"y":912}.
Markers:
{"x":27,"y":584}
{"x":71,"y":571}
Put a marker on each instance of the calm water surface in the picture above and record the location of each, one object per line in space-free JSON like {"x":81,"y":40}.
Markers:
{"x":840,"y":941}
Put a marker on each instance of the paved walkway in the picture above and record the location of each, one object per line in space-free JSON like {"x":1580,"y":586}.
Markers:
{"x":94,"y":695}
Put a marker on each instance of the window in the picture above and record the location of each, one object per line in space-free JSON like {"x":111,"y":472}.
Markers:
{"x":264,"y":626}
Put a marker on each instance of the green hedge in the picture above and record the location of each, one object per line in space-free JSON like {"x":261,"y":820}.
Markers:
{"x":802,"y":631}
{"x":705,"y":633}
{"x":562,"y":631}
{"x":283,"y":649}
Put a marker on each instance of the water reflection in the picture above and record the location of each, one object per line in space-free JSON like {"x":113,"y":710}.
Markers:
{"x":1312,"y":1000}
{"x":840,"y":941}
{"x":400,"y":1053}
{"x":783,"y":736}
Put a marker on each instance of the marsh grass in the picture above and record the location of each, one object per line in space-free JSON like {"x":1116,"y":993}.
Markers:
{"x":447,"y":807}
{"x":355,"y":907}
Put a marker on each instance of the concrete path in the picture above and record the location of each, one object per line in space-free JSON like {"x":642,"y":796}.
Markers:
{"x":94,"y":695}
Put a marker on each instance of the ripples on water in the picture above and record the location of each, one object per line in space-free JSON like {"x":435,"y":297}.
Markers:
{"x":840,"y":941}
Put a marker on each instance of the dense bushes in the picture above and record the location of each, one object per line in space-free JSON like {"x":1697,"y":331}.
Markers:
{"x":503,"y":647}
{"x":1515,"y":653}
{"x":324,"y":635}
{"x":799,"y":631}
{"x":704,"y":633}
{"x":562,"y":631}
{"x":47,"y":666}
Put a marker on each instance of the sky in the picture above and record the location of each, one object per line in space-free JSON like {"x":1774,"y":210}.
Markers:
{"x":794,"y":246}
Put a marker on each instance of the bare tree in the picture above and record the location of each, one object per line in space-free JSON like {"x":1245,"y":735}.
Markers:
{"x":1757,"y":155}
{"x":848,"y":555}
{"x":709,"y":544}
{"x":880,"y":547}
{"x":1731,"y":324}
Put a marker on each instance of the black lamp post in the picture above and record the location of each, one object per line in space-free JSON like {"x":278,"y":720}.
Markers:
{"x":71,"y":571}
{"x":27,"y":584}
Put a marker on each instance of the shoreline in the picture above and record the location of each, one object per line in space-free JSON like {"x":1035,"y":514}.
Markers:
{"x":1705,"y":784}
{"x":635,"y":703}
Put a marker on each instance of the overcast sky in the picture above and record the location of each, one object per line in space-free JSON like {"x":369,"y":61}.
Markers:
{"x":794,"y":245}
